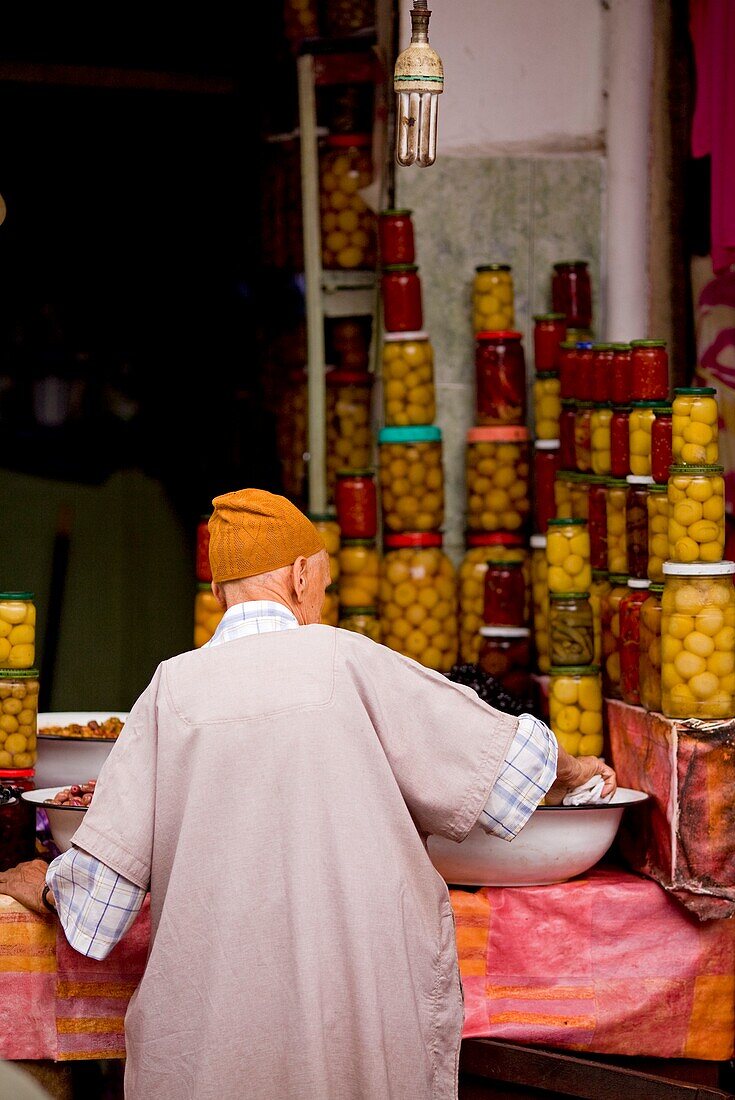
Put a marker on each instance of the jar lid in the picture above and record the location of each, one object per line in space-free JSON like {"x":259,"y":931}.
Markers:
{"x":616,"y":482}
{"x":696,"y":470}
{"x":698,"y":569}
{"x":568,"y":402}
{"x":602,"y":347}
{"x":583,"y":345}
{"x":648,"y":343}
{"x":333,"y":589}
{"x":16,"y":595}
{"x":656,"y":589}
{"x":394,"y":212}
{"x":575,"y":334}
{"x":570,"y":263}
{"x":505,"y":562}
{"x":494,"y":538}
{"x":498,"y":335}
{"x":505,"y":632}
{"x":594,"y":479}
{"x":413,"y":538}
{"x":639,"y":479}
{"x":357,"y":471}
{"x":547,"y":374}
{"x":322,"y":517}
{"x":568,"y":345}
{"x":344,"y":141}
{"x":549,"y":317}
{"x":400,"y":337}
{"x":422,"y":433}
{"x":348,"y":612}
{"x":17,"y":773}
{"x":657,"y":488}
{"x":493,"y":267}
{"x":338,"y":377}
{"x":575,"y":670}
{"x":538,"y":542}
{"x":599,"y":574}
{"x":645,"y":404}
{"x":636,"y":582}
{"x":620,"y":347}
{"x":584,"y":405}
{"x":370,"y":543}
{"x":401,"y":267}
{"x":663,"y":408}
{"x":25,"y":673}
{"x":547,"y":444}
{"x":567,"y":475}
{"x":621,"y":408}
{"x":567,"y":522}
{"x":569,"y":595}
{"x":618,"y":578}
{"x":516,"y":433}
{"x":695,"y":391}
{"x":204,"y":519}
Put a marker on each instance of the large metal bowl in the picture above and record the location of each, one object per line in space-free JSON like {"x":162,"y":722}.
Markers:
{"x":557,"y":843}
{"x":66,"y":760}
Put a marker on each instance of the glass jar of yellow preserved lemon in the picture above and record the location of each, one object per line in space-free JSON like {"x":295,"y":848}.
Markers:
{"x":481,"y":549}
{"x":600,"y":589}
{"x":408,"y":379}
{"x":649,"y":665}
{"x":17,"y":630}
{"x":580,"y":487}
{"x":600,"y":439}
{"x":547,"y":404}
{"x":328,"y":529}
{"x":617,"y":541}
{"x":540,"y":595}
{"x":563,"y":494}
{"x":497,"y":479}
{"x":696,"y":513}
{"x":330,"y":607}
{"x":18,"y":717}
{"x":411,"y":481}
{"x":568,"y":556}
{"x":640,"y":422}
{"x":348,"y":224}
{"x":492,"y":298}
{"x":575,"y":706}
{"x":361,"y":620}
{"x":610,"y":621}
{"x":694,"y":427}
{"x":207,"y":615}
{"x":359,"y":570}
{"x":657,"y":502}
{"x":698,"y":641}
{"x":349,"y":439}
{"x":418,"y":600}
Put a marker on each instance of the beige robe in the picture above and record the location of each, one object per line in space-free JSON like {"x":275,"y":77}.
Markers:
{"x":275,"y":792}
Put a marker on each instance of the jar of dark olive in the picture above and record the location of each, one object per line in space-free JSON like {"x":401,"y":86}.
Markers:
{"x":571,"y":628}
{"x":505,"y":654}
{"x":636,"y":525}
{"x":17,"y":818}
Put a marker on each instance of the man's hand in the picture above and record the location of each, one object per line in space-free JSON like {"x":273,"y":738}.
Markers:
{"x":25,"y":883}
{"x":573,"y":771}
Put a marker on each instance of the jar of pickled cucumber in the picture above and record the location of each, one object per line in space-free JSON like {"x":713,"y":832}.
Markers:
{"x":361,"y":620}
{"x":330,"y":607}
{"x":649,"y":665}
{"x":698,"y":641}
{"x":597,"y":521}
{"x":617,"y":542}
{"x":620,"y":441}
{"x":292,"y":434}
{"x":540,"y":594}
{"x":359,"y":573}
{"x":583,"y":437}
{"x":500,"y":378}
{"x":575,"y":705}
{"x":547,"y":404}
{"x":418,"y":600}
{"x":411,"y":481}
{"x":649,"y":370}
{"x":328,"y":529}
{"x":571,"y":628}
{"x":497,"y":479}
{"x":492,"y":298}
{"x":696,"y":513}
{"x":580,"y":489}
{"x":545,"y":469}
{"x":408,"y":379}
{"x":599,"y":590}
{"x":657,"y":502}
{"x":482,"y":548}
{"x":695,"y":426}
{"x":629,"y":643}
{"x":207,"y":615}
{"x":348,"y":224}
{"x":610,"y":622}
{"x":349,"y":439}
{"x":568,"y":556}
{"x":357,"y":504}
{"x":18,"y":717}
{"x":549,"y":331}
{"x":620,"y":383}
{"x":567,"y":426}
{"x":17,"y":630}
{"x":600,"y":439}
{"x":636,"y":520}
{"x":640,"y":423}
{"x":505,"y":596}
{"x":661,"y":444}
{"x":563,"y":494}
{"x":505,"y":654}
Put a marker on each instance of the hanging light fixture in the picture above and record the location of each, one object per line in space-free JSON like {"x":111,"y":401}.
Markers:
{"x":418,"y":81}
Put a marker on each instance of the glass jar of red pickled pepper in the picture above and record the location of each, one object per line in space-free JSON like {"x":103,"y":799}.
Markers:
{"x":620,"y":441}
{"x":567,"y":370}
{"x":661,"y":452}
{"x":356,"y":503}
{"x":597,"y":522}
{"x":571,"y":292}
{"x":636,"y":524}
{"x":545,"y":467}
{"x":500,"y":371}
{"x":601,"y":369}
{"x":203,"y":568}
{"x":401,"y":290}
{"x":395,"y":230}
{"x":584,"y":371}
{"x":620,"y":375}
{"x":549,"y":331}
{"x":649,"y":367}
{"x":505,"y":594}
{"x":567,"y":427}
{"x":629,"y":643}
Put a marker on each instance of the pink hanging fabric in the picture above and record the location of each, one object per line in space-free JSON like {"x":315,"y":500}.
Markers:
{"x":712,"y":26}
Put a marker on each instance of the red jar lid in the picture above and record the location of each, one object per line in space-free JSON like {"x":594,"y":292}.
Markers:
{"x":414,"y":538}
{"x":344,"y":141}
{"x":495,"y":538}
{"x":17,"y":773}
{"x":500,"y":335}
{"x":515,"y":433}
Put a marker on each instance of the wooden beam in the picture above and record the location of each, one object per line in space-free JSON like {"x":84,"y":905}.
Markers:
{"x":93,"y":76}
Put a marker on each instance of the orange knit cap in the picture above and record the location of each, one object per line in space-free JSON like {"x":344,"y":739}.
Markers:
{"x":252,"y":532}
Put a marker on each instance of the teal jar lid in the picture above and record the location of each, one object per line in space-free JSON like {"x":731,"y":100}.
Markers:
{"x":16,"y":595}
{"x":421,"y":433}
{"x":695,"y":391}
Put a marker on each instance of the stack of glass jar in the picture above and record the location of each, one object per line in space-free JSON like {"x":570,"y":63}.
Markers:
{"x":207,"y":611}
{"x":358,"y":558}
{"x":18,"y":724}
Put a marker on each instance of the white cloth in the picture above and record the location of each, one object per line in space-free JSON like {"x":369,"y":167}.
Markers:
{"x":587,"y":793}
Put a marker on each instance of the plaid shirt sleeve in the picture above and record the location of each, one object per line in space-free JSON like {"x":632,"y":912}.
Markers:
{"x":96,"y":905}
{"x":525,"y":777}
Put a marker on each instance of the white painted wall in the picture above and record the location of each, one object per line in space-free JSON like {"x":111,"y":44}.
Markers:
{"x":521,"y":76}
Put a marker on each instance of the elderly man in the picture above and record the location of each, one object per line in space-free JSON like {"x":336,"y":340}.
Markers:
{"x":274,"y":790}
